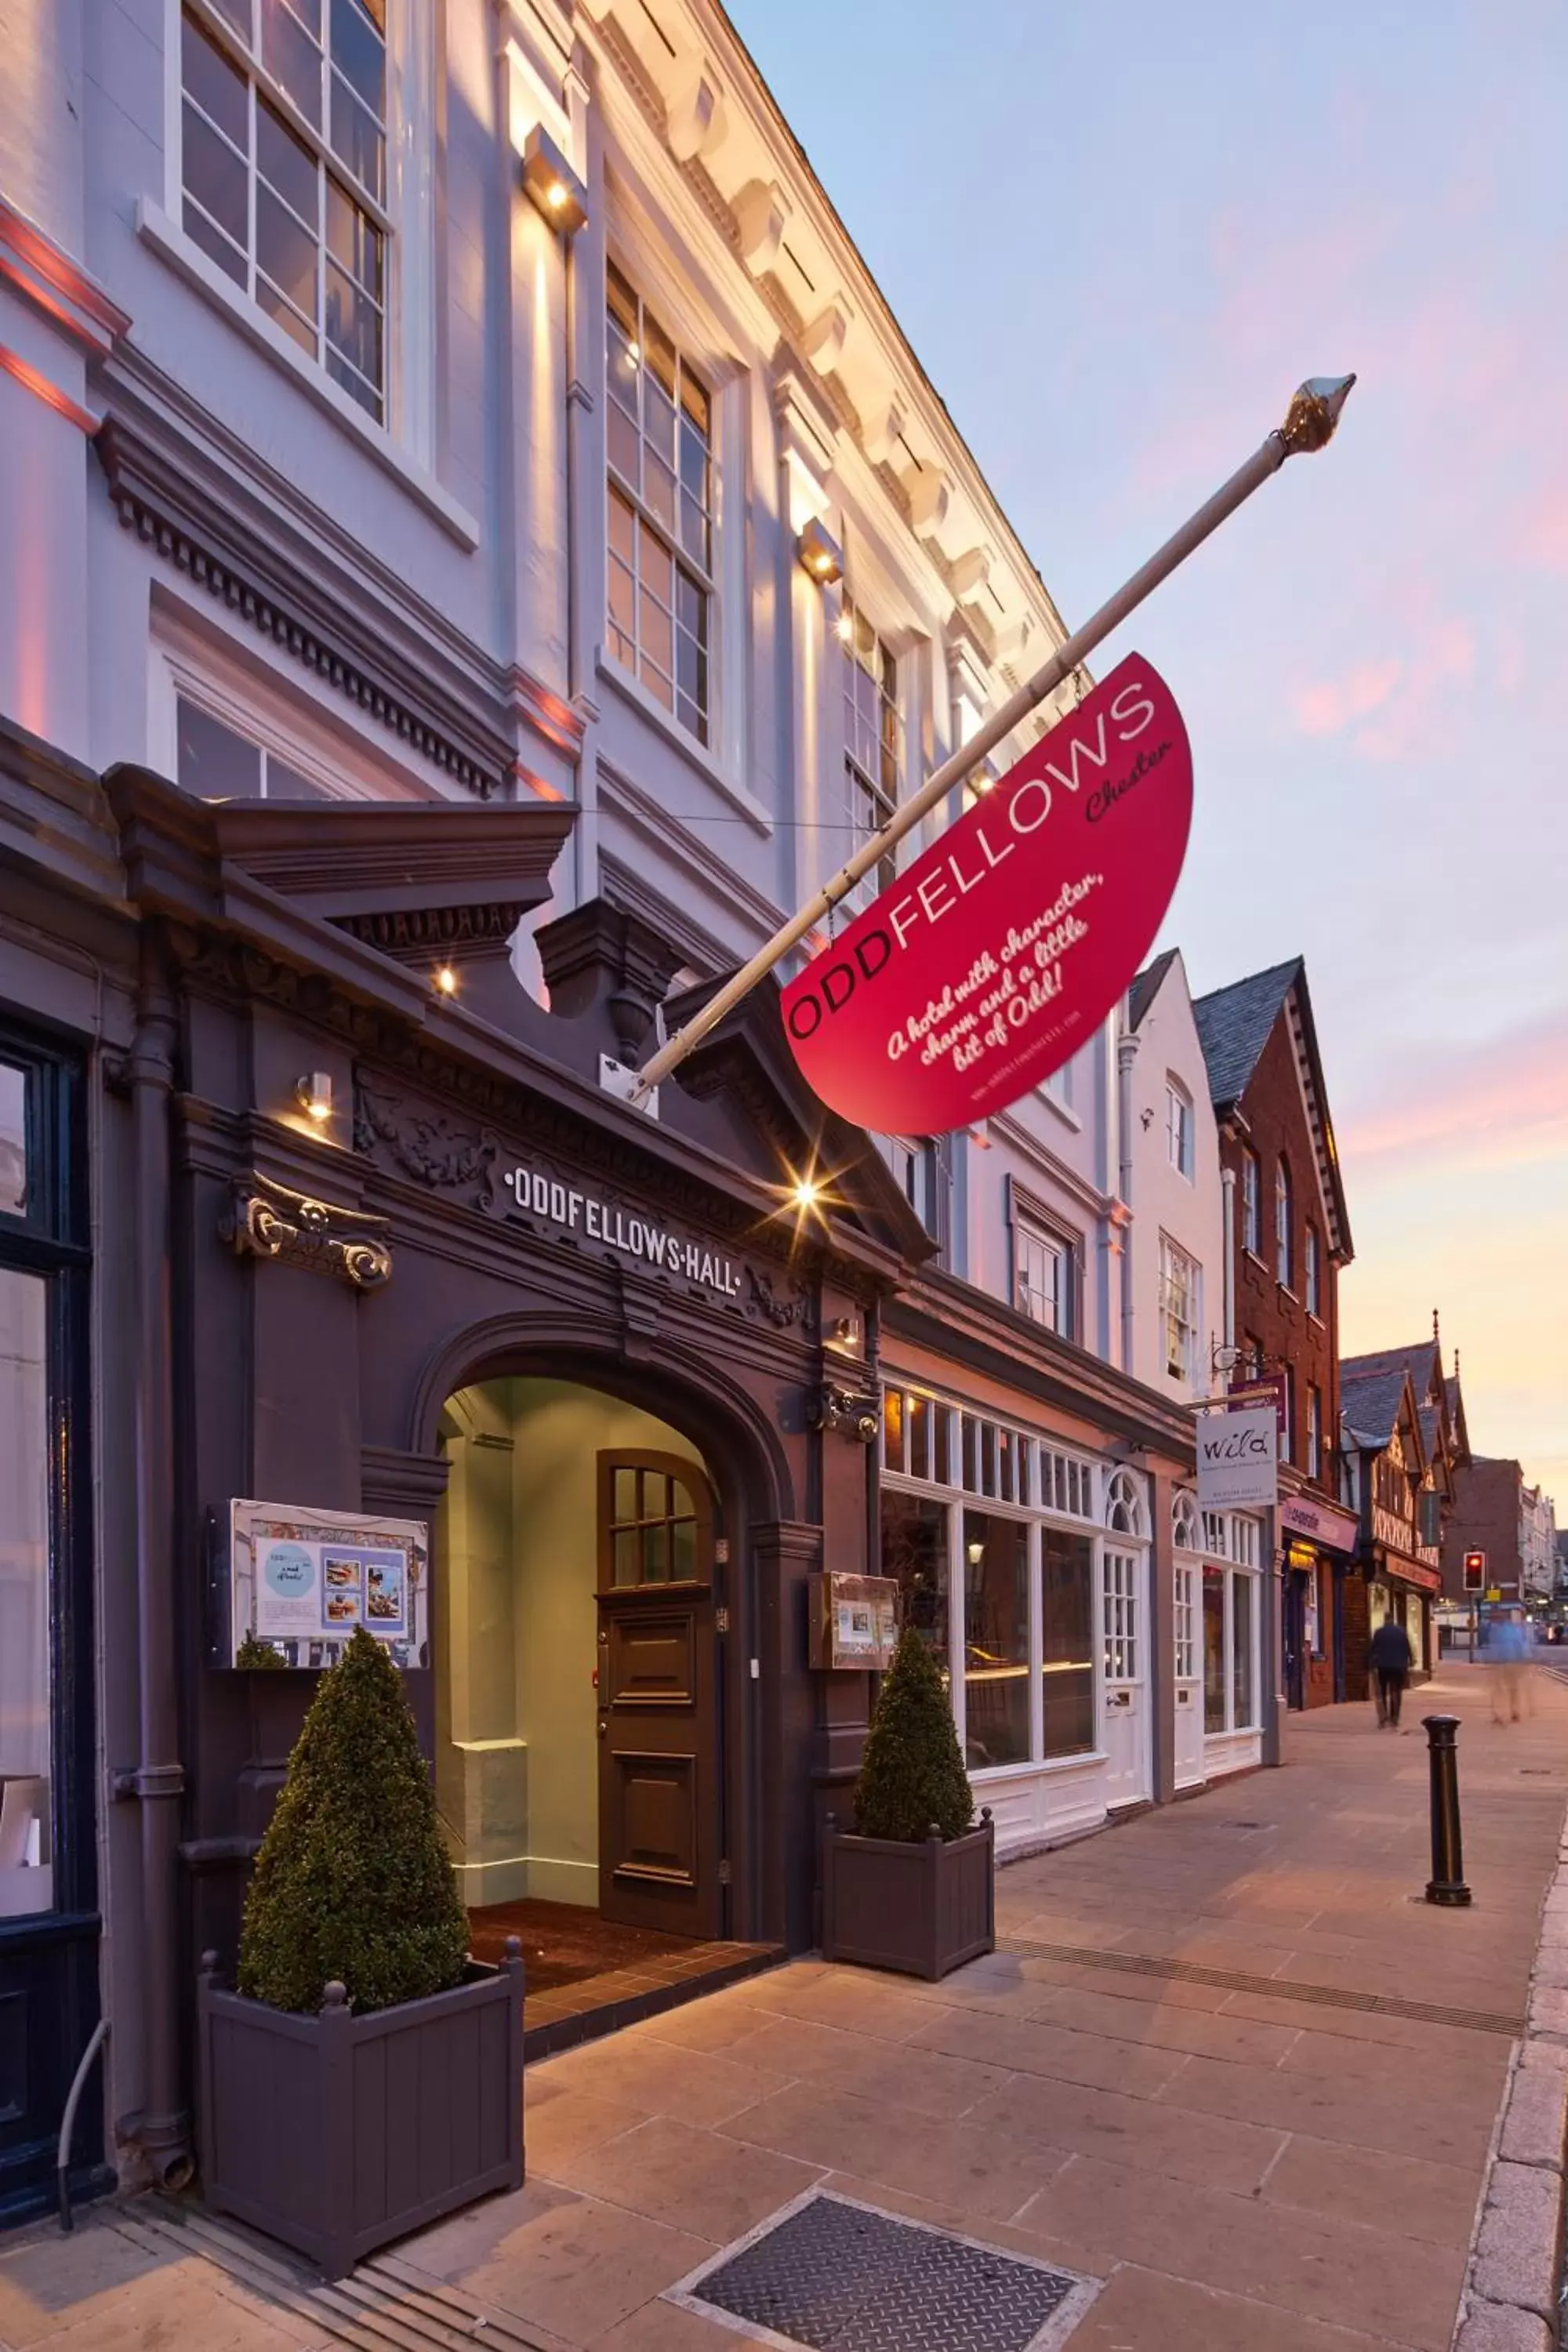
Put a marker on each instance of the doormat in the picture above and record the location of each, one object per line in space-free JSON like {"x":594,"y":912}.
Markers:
{"x":839,"y":2276}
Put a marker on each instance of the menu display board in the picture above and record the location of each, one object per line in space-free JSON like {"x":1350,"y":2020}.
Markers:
{"x":854,"y":1621}
{"x":303,"y":1582}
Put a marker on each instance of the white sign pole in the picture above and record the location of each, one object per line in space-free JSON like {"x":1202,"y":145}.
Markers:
{"x":1308,"y":425}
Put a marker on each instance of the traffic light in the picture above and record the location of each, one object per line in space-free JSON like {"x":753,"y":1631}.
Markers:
{"x":1475,"y":1572}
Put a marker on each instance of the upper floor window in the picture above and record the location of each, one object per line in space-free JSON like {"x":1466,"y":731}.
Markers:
{"x":659,"y":421}
{"x":1179,"y":1128}
{"x":283,"y":171}
{"x":1314,"y":1432}
{"x":1179,"y":1309}
{"x":872,"y":741}
{"x":1184,"y":1532}
{"x":1251,"y":1207}
{"x":215,"y":763}
{"x":1042,"y":1268}
{"x":1314,"y":1274}
{"x":1283,"y":1255}
{"x":922,"y":1168}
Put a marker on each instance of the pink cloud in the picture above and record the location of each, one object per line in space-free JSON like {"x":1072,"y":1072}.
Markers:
{"x":1500,"y":1103}
{"x":1332,"y":704}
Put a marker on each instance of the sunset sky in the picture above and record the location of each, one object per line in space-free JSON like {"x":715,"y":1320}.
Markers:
{"x":1117,"y":235}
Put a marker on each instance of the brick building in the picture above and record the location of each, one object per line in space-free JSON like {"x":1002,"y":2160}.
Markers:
{"x":1494,"y":1512}
{"x":1404,"y":1449}
{"x":1289,"y":1235}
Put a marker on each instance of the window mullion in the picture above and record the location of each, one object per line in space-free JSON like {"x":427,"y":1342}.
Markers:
{"x":251,"y":262}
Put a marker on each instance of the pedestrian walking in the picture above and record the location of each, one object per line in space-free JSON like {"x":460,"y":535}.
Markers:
{"x":1391,"y":1657}
{"x":1511,"y":1653}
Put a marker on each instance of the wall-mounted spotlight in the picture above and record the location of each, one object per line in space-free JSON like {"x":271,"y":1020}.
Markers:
{"x":820,"y":554}
{"x":314,"y":1096}
{"x":553,"y":184}
{"x":446,"y":980}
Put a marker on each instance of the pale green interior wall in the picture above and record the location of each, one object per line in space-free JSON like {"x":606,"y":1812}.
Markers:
{"x":516,"y":1627}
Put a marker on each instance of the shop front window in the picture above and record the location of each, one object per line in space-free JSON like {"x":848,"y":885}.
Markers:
{"x":26,"y":1875}
{"x":914,"y":1553}
{"x":996,"y":1641}
{"x":1214,"y":1650}
{"x":1243,"y":1593}
{"x":1066,"y":1652}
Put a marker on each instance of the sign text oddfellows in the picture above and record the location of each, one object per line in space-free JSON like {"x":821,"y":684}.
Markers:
{"x":620,"y":1230}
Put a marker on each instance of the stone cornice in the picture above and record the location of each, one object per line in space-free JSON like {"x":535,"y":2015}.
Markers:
{"x":56,"y":284}
{"x":208,"y":505}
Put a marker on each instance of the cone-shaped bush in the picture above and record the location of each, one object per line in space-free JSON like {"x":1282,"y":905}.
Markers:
{"x":353,"y":1880}
{"x":912,"y":1774}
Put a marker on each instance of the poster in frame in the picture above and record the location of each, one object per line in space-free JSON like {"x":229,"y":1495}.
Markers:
{"x":304,"y":1580}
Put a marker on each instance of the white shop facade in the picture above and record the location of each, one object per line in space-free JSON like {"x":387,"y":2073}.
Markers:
{"x":1024,"y":1560}
{"x":1217,"y":1569}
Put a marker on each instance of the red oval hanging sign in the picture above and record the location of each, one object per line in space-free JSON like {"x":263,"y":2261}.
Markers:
{"x":993,"y":958}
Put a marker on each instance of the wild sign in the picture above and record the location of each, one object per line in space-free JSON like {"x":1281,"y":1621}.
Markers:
{"x":993,"y":956}
{"x":1238,"y":1454}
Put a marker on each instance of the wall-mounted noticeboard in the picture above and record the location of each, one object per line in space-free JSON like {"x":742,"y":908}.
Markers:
{"x":303,"y":1582}
{"x":854,"y":1621}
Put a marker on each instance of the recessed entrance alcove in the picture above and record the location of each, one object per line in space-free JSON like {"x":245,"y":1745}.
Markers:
{"x":577,"y":1760}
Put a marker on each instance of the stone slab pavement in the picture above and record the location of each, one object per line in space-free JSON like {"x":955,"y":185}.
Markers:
{"x":1228,"y":2062}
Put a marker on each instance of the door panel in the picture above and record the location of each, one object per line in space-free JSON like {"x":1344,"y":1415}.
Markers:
{"x":659,"y":1783}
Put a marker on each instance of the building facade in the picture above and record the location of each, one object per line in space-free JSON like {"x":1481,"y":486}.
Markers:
{"x":1288,"y":1237}
{"x":1404,"y":1450}
{"x":1513,"y":1524}
{"x":422,"y":674}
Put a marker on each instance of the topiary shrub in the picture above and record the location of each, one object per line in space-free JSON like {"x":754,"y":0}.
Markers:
{"x":257,"y":1656}
{"x":353,"y":1880}
{"x":911,"y":1774}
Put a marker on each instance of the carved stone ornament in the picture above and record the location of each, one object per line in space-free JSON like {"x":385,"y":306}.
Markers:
{"x":766,"y":1300}
{"x":267,"y":1220}
{"x":429,"y":1146}
{"x":856,"y":1416}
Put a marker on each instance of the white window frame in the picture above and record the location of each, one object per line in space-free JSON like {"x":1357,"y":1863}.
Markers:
{"x":1120,"y":1581}
{"x":1314,"y":1462}
{"x":1185,"y":1620}
{"x":1180,"y":1144}
{"x":1251,"y":1203}
{"x":854,"y":780}
{"x":1181,"y":1286}
{"x":191,"y":662}
{"x":1284,"y":1215}
{"x":1225,"y":1557}
{"x":1312,"y":1269}
{"x":1031,"y":1224}
{"x":404,"y":438}
{"x":1042,"y":1473}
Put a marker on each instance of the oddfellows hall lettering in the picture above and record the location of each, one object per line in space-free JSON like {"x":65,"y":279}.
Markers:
{"x":620,"y":1230}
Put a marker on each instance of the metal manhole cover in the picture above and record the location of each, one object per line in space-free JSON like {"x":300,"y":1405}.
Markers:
{"x":843,"y":2277}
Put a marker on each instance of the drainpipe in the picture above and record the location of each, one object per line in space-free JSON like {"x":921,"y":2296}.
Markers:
{"x":1227,"y":1188}
{"x":158,"y":1783}
{"x":1126,"y":1054}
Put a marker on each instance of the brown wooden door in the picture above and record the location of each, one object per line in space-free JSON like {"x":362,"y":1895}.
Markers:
{"x":658,"y":1799}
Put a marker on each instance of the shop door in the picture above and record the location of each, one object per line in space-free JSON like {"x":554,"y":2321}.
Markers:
{"x":1293,"y":1630}
{"x":1189,"y":1757}
{"x":1126,"y":1715}
{"x":659,"y":1781}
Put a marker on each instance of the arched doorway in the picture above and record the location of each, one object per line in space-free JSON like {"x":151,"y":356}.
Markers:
{"x":579,"y":1752}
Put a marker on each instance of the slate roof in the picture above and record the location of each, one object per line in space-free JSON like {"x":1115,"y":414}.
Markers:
{"x":1233,"y":1024}
{"x":1370,"y":1401}
{"x":1147,"y":986}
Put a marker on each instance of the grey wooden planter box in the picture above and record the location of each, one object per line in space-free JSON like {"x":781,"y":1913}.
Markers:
{"x":337,"y":2133}
{"x":924,"y":1909}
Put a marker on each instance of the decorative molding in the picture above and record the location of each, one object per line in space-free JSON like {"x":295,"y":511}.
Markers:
{"x":271,"y":1221}
{"x":631,"y":891}
{"x":456,"y":935}
{"x":44,"y":389}
{"x":857,"y":1415}
{"x":703,"y":867}
{"x":210,"y":506}
{"x":427,"y":1146}
{"x":766,"y":1299}
{"x":57,"y":285}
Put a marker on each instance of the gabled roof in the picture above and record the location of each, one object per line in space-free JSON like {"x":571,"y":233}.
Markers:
{"x":1439,"y":1404}
{"x":1147,"y":987}
{"x":1235,"y":1024}
{"x":1233,"y":1027}
{"x":1374,"y":1400}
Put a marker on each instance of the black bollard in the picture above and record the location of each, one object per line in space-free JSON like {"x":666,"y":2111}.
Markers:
{"x":1446,"y":1883}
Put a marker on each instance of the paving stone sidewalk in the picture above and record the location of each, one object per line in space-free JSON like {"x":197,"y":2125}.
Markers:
{"x":1227,"y":2064}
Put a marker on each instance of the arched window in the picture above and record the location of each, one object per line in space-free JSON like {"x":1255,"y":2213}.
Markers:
{"x":1283,"y":1261}
{"x":1184,"y":1521}
{"x":1124,"y":1503}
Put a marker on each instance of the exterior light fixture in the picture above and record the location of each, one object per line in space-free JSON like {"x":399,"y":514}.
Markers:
{"x":806,"y":1193}
{"x":314,"y":1096}
{"x":447,"y":981}
{"x":553,"y":185}
{"x":820,"y":554}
